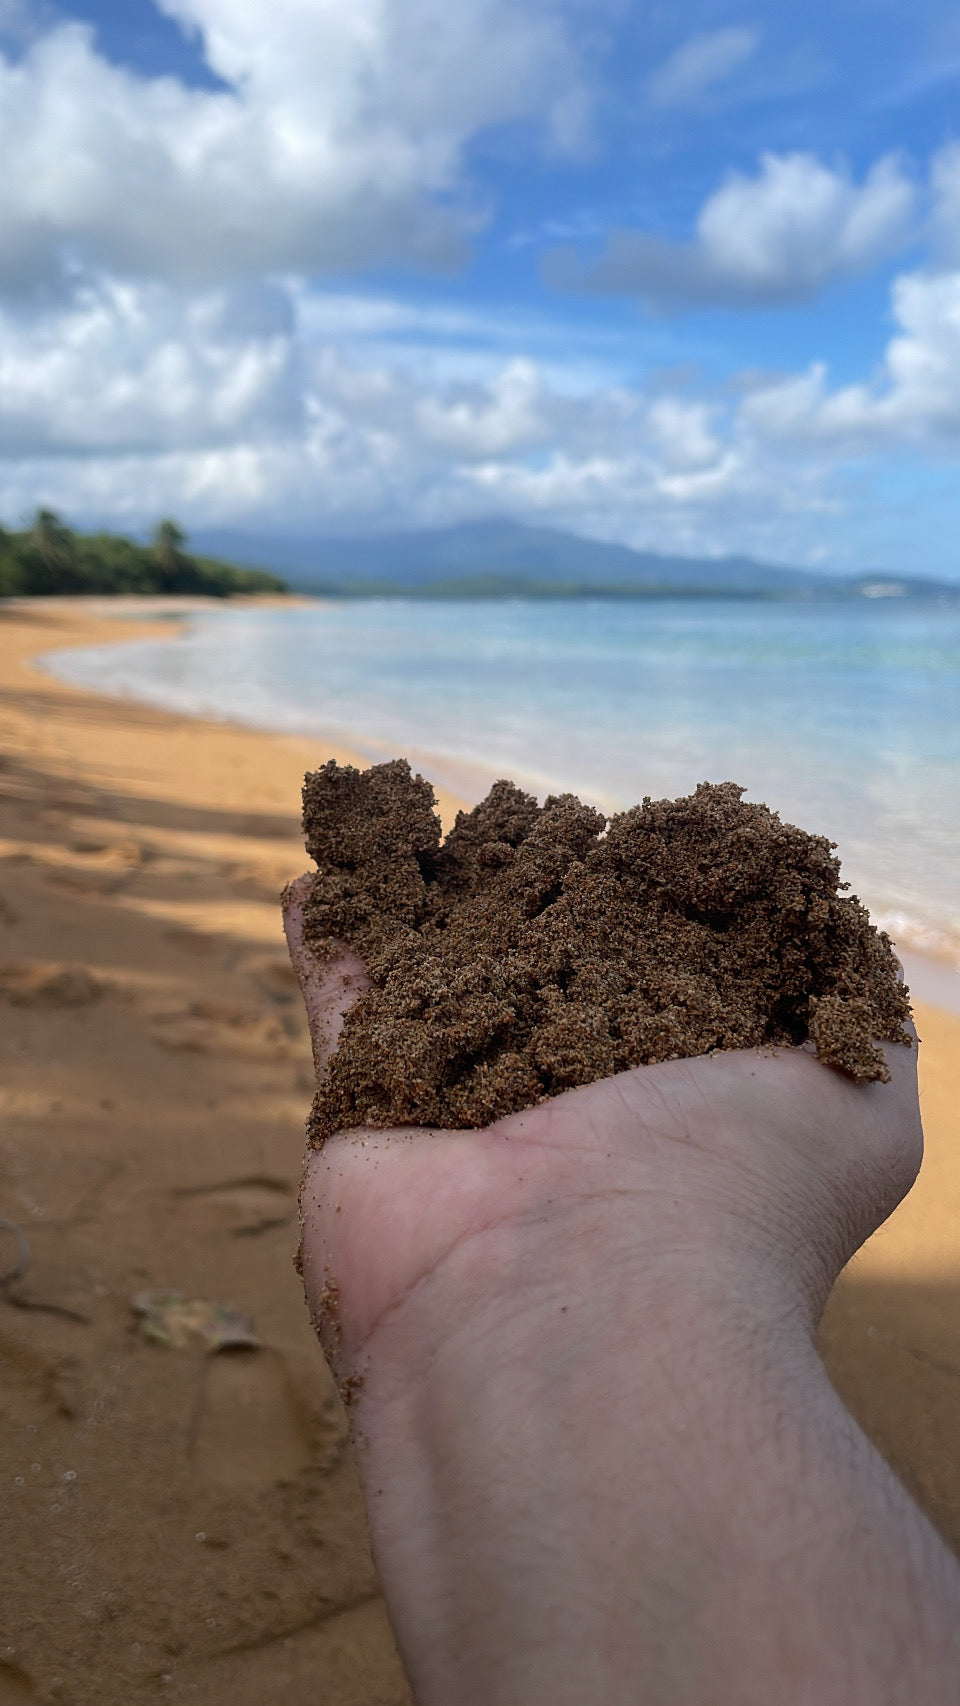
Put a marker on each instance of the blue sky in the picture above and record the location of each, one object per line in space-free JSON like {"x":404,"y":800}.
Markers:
{"x":683,"y":276}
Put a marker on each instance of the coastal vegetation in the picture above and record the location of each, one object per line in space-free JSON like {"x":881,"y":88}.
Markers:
{"x":49,"y":558}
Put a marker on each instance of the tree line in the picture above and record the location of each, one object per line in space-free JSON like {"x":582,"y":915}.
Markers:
{"x":51,"y":558}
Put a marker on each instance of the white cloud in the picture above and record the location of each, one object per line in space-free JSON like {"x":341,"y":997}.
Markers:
{"x":684,"y":431}
{"x":915,"y":398}
{"x":124,"y":366}
{"x":339,"y":143}
{"x":773,"y":238}
{"x":699,"y":64}
{"x":506,"y":415}
{"x":631,"y":486}
{"x":423,"y":69}
{"x":799,"y":221}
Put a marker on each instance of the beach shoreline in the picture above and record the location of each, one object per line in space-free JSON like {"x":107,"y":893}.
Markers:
{"x":508,"y":691}
{"x":195,"y":1516}
{"x":930,"y":953}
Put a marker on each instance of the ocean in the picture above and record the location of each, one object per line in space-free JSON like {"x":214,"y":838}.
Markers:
{"x":844,"y":718}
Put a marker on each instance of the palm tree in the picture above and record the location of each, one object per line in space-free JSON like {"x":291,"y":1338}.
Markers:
{"x":54,"y":544}
{"x":51,"y":537}
{"x":168,"y":542}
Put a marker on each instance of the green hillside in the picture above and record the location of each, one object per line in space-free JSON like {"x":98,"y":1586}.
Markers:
{"x":50,"y":558}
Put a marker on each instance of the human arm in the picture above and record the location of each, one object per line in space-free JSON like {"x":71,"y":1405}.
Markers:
{"x":601,"y":1459}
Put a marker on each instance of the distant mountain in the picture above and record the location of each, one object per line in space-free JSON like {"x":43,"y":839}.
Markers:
{"x":504,"y":558}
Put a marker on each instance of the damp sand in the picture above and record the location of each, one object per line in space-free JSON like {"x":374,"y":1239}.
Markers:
{"x":539,"y":948}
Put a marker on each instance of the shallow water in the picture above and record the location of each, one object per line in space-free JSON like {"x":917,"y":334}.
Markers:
{"x":845,"y":718}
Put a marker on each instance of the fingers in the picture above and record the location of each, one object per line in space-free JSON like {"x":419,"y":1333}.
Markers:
{"x":328,"y":990}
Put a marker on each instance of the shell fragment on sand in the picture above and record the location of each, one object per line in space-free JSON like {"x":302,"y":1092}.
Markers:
{"x":185,"y":1323}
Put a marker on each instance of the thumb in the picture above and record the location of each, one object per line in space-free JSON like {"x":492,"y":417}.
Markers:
{"x":329,"y":987}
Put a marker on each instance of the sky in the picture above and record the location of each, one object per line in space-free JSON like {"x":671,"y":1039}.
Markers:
{"x":682,"y":276}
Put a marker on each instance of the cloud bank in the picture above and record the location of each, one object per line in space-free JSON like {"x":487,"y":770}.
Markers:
{"x":171,"y":340}
{"x":245,"y":406}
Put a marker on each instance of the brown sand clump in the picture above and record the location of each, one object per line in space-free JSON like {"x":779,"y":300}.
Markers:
{"x":539,"y":947}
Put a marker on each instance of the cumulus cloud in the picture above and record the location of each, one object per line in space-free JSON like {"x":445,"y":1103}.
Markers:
{"x":699,"y":64}
{"x":683,"y":429}
{"x":773,"y":238}
{"x":916,"y":396}
{"x":506,"y":415}
{"x":124,"y":367}
{"x":339,"y":141}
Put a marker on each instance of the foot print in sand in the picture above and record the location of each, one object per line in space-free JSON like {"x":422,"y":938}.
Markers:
{"x":47,"y":1186}
{"x":250,"y":1433}
{"x":98,"y":867}
{"x":223,"y":1027}
{"x":39,"y":983}
{"x":240,"y":1208}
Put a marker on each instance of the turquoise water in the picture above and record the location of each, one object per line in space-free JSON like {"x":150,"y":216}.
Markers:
{"x":846,"y":719}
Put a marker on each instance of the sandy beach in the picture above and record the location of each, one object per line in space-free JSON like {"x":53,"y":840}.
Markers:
{"x":182,"y":1523}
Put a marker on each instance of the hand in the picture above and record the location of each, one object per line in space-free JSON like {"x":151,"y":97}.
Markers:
{"x":758,"y":1152}
{"x":561,"y":1336}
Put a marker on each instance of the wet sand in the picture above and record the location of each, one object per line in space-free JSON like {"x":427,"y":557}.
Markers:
{"x":181,"y":1525}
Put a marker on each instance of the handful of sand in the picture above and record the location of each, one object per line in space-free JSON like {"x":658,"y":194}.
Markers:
{"x":541,"y":947}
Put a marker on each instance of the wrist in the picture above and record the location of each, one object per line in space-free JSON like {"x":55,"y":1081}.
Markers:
{"x":590,"y":1418}
{"x":550,"y":1464}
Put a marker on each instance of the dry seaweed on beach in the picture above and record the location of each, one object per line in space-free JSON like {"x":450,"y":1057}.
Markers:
{"x":540,"y":947}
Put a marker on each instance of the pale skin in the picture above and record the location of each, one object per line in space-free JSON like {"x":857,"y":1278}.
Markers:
{"x":602,"y":1462}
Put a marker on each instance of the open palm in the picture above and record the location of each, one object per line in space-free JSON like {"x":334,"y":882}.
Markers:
{"x":754,"y":1151}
